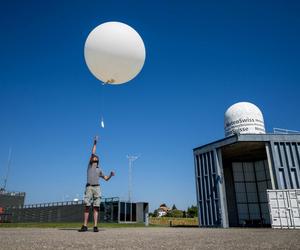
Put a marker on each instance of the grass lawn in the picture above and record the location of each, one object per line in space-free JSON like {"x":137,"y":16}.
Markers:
{"x":153,"y":222}
{"x":67,"y":225}
{"x":166,"y":221}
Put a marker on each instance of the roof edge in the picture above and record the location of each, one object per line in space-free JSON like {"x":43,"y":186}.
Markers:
{"x":251,"y":138}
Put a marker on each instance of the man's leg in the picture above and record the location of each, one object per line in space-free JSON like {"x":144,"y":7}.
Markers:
{"x":97,"y":195}
{"x":86,"y":215}
{"x":88,"y":196}
{"x":96,"y":212}
{"x":87,"y":201}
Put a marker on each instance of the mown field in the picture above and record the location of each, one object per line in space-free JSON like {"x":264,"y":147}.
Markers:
{"x":67,"y":225}
{"x":171,"y":221}
{"x":153,"y":221}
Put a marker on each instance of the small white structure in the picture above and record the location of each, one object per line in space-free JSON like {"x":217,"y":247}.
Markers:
{"x":162,"y":210}
{"x":161,"y":213}
{"x":243,"y":118}
{"x":284,"y":208}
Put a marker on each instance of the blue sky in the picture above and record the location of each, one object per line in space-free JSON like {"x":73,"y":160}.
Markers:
{"x":202,"y":57}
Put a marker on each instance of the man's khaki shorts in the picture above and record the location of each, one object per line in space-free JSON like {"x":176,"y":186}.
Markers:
{"x":92,"y":195}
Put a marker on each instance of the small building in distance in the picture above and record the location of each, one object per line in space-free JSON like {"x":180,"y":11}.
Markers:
{"x":11,"y":199}
{"x":162,"y":210}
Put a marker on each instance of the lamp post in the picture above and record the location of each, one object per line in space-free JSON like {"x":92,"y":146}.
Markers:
{"x":131,"y":159}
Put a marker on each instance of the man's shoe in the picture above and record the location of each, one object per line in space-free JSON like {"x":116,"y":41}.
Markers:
{"x":96,"y":229}
{"x":83,"y":229}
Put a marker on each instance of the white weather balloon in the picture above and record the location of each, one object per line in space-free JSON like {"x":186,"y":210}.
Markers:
{"x":114,"y":52}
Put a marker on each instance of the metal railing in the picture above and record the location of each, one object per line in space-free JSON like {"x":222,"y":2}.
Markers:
{"x":66,"y":203}
{"x":11,"y":193}
{"x":54,"y":204}
{"x":285,"y":131}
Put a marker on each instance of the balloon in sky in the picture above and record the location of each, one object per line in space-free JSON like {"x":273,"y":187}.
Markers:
{"x":114,"y":52}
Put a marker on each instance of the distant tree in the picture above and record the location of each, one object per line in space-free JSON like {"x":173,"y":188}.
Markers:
{"x":192,"y":211}
{"x":175,"y":213}
{"x":184,"y":214}
{"x":155,"y":213}
{"x":174,"y":207}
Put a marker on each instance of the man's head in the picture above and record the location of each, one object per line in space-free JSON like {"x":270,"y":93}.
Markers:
{"x":94,"y":159}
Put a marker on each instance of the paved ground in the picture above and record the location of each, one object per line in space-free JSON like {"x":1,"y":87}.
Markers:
{"x":149,"y":238}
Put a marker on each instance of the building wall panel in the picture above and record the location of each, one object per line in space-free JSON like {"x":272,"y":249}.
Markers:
{"x":286,"y":162}
{"x":207,"y":191}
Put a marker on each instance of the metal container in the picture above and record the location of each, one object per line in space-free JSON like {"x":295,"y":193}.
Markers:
{"x":284,"y":207}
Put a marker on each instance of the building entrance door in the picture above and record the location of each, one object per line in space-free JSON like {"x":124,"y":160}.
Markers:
{"x":251,"y":181}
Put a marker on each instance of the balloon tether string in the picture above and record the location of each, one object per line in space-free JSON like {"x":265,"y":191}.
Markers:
{"x":102,"y":100}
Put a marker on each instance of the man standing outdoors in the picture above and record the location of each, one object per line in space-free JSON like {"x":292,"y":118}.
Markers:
{"x":92,"y":191}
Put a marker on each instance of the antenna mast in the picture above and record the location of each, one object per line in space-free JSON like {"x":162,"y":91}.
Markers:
{"x":131,"y":159}
{"x":8,"y":167}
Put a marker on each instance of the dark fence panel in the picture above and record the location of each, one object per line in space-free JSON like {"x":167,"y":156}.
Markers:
{"x":71,"y":211}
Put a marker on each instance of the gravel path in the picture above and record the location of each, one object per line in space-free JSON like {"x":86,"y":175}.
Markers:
{"x":149,"y":238}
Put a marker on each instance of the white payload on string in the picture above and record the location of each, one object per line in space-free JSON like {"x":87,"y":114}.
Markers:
{"x":114,"y":53}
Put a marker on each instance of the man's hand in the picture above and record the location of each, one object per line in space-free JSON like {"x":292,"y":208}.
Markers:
{"x":94,"y":145}
{"x":112,"y":173}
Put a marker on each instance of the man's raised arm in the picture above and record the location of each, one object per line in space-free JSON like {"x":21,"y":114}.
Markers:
{"x":105,"y":177}
{"x":95,"y":145}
